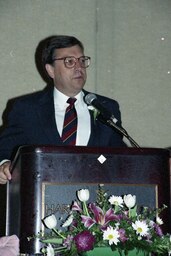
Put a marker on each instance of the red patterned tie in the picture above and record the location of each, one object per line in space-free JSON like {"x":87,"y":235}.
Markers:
{"x":70,"y":124}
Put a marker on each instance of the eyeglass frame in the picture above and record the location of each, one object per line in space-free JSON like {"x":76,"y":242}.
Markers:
{"x":76,"y":59}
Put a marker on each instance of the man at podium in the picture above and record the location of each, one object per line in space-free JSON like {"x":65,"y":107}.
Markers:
{"x":62,"y":114}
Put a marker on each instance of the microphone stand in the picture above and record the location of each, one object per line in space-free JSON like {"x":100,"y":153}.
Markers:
{"x":123,"y":132}
{"x":111,"y":123}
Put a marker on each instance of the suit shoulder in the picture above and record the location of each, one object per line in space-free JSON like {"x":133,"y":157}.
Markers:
{"x":103,"y":99}
{"x":32,"y":97}
{"x":106,"y":99}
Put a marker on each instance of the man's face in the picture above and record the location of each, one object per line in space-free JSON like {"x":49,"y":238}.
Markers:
{"x":69,"y":81}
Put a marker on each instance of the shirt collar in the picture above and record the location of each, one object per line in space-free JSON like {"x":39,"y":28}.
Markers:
{"x":60,"y":99}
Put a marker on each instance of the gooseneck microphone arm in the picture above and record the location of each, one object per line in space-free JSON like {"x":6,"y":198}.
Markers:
{"x":123,"y":132}
{"x":107,"y":118}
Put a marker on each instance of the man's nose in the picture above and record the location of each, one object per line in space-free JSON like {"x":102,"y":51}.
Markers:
{"x":77,"y":64}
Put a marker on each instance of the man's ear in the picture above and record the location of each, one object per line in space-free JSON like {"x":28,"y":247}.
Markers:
{"x":50,"y":70}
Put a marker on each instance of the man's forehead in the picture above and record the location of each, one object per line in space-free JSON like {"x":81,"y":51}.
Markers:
{"x":69,"y":51}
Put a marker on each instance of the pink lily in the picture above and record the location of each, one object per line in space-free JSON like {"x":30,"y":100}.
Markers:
{"x":99,"y":216}
{"x":87,"y":221}
{"x":76,"y":207}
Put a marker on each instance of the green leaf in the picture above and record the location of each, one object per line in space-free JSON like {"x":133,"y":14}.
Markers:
{"x":133,"y":211}
{"x":52,"y":241}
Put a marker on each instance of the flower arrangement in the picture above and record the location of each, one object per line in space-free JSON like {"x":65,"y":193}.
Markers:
{"x":112,"y":221}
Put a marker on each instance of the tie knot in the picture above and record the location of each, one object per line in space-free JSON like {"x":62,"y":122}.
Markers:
{"x":71,"y":101}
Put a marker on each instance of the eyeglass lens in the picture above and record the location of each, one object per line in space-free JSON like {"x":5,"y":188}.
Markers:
{"x":71,"y":61}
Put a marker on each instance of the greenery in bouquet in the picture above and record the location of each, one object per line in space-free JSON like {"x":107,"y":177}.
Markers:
{"x":114,"y":221}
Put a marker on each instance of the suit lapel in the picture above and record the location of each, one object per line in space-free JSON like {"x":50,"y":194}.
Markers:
{"x":46,"y":115}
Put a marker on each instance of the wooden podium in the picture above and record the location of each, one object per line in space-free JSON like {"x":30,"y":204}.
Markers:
{"x":45,"y":179}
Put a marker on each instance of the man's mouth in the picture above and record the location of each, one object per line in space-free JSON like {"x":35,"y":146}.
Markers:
{"x":78,"y":76}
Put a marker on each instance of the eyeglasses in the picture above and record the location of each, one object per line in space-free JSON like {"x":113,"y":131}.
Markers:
{"x":71,"y":61}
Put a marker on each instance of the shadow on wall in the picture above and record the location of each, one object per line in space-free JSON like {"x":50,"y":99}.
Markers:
{"x":41,"y":70}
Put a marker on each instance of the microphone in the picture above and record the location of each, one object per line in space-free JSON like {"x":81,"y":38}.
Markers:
{"x":91,"y":99}
{"x":107,"y":117}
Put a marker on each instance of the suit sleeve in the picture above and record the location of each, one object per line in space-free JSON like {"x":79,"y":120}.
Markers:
{"x":13,"y":134}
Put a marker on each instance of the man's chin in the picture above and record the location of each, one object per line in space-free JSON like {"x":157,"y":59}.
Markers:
{"x":79,"y":84}
{"x":77,"y":88}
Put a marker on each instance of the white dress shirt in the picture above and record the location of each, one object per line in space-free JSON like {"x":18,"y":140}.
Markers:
{"x":84,"y":125}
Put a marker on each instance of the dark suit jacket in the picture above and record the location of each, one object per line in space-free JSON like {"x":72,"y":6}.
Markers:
{"x":31,"y":121}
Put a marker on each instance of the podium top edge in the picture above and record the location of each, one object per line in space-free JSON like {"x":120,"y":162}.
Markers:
{"x":90,"y":150}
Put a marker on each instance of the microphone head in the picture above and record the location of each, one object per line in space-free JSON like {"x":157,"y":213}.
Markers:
{"x":89,"y":98}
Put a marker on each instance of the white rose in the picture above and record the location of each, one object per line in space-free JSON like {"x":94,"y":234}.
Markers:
{"x":83,"y":195}
{"x":129,"y":200}
{"x":50,"y":221}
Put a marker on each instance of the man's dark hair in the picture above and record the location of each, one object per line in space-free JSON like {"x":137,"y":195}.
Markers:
{"x":57,"y":42}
